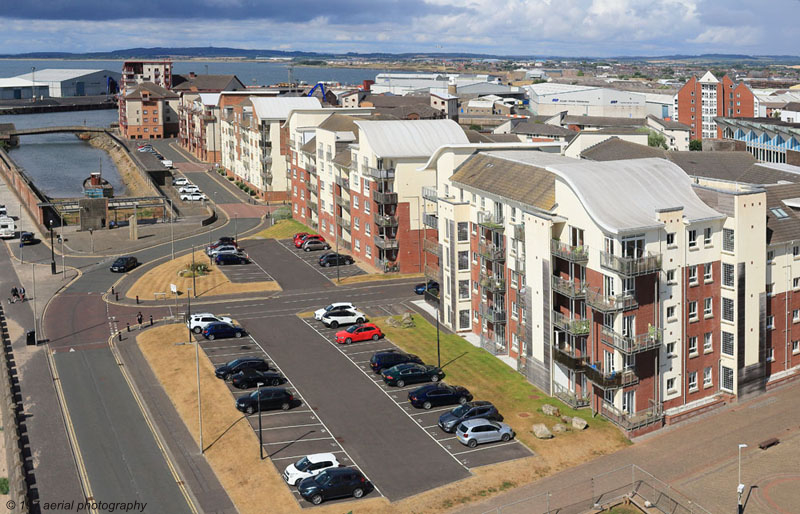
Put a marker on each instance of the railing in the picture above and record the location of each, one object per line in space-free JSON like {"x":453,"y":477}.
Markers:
{"x":578,"y":327}
{"x":312,"y":205}
{"x":640,"y":343}
{"x":493,"y":314}
{"x":609,"y":303}
{"x":433,"y":272}
{"x":521,"y":300}
{"x":342,"y":182}
{"x":342,"y":221}
{"x":386,"y":266}
{"x":429,"y":193}
{"x":568,"y":288}
{"x":433,"y":247}
{"x":343,"y":203}
{"x":631,"y":266}
{"x":519,"y":231}
{"x":635,"y":420}
{"x":569,"y":252}
{"x":431,"y":297}
{"x":380,"y":174}
{"x":610,"y":380}
{"x":493,"y":344}
{"x":571,"y":398}
{"x":492,"y":252}
{"x":492,"y":283}
{"x":311,"y":187}
{"x":384,"y":198}
{"x":490,"y":220}
{"x":431,"y":220}
{"x":385,"y":220}
{"x":266,"y":159}
{"x":266,"y":175}
{"x":311,"y":168}
{"x":386,"y":244}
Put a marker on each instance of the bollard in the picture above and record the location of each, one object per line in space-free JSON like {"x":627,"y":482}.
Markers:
{"x":129,"y":326}
{"x":116,"y":296}
{"x":120,"y":335}
{"x":151,"y":320}
{"x":137,"y":299}
{"x":112,"y":289}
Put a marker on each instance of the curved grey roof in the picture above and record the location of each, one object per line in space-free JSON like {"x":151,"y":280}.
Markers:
{"x":410,"y":138}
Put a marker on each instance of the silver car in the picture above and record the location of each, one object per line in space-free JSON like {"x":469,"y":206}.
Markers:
{"x":315,"y":244}
{"x":478,"y":431}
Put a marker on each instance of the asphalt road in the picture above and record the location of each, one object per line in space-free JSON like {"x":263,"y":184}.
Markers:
{"x":210,"y":186}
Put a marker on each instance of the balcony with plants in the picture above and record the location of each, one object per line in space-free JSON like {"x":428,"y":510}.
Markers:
{"x":577,"y":254}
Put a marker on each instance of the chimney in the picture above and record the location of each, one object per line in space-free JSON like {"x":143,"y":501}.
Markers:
{"x":95,"y":178}
{"x":452,"y":89}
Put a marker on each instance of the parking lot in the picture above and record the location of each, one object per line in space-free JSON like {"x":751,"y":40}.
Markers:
{"x":242,"y":273}
{"x":287,"y":435}
{"x":312,"y":259}
{"x":359,"y":354}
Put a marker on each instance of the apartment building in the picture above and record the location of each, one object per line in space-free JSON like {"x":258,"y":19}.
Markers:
{"x":148,"y":111}
{"x":199,"y":131}
{"x":768,"y":139}
{"x":626,"y":287}
{"x":158,"y":72}
{"x":700,"y":101}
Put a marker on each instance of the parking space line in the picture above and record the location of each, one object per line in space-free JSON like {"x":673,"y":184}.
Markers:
{"x":367,"y":351}
{"x":298,"y":456}
{"x":234,"y":353}
{"x":301,"y":440}
{"x":440,"y":409}
{"x":431,"y":426}
{"x":360,"y":362}
{"x":282,"y":412}
{"x":309,"y":264}
{"x":486,"y":447}
{"x":449,"y":439}
{"x":292,"y":426}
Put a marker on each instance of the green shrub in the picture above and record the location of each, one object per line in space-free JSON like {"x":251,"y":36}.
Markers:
{"x":3,"y":485}
{"x":230,"y":178}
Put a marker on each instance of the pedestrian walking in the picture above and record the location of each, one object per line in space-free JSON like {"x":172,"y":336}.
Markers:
{"x":139,"y":318}
{"x":21,"y":293}
{"x":14,"y":295}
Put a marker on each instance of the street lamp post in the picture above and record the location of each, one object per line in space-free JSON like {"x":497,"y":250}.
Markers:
{"x":740,"y":487}
{"x":336,"y":225}
{"x":52,"y":251}
{"x":194,"y":273}
{"x":438,"y":353}
{"x":235,"y":231}
{"x":197,"y":367}
{"x":63,"y":269}
{"x":171,"y":230}
{"x":91,"y":237}
{"x":260,"y":433}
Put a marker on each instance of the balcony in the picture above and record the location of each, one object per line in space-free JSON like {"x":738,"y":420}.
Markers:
{"x":312,"y":205}
{"x":342,"y":182}
{"x":609,"y":303}
{"x":631,"y":266}
{"x":385,"y":220}
{"x":344,"y":203}
{"x":636,"y":344}
{"x":386,"y":266}
{"x":431,"y":296}
{"x":430,"y":220}
{"x":494,"y":344}
{"x":579,"y":254}
{"x":429,"y":193}
{"x":610,"y":380}
{"x":492,"y":221}
{"x":568,"y":288}
{"x":571,"y":398}
{"x":433,"y":272}
{"x":266,"y":176}
{"x":433,"y":247}
{"x":312,"y":187}
{"x":384,"y":198}
{"x":569,"y":357}
{"x":386,"y":244}
{"x":632,"y":421}
{"x":492,"y":252}
{"x":577,"y":327}
{"x":493,"y":314}
{"x":311,"y":169}
{"x":380,"y":174}
{"x":266,"y":159}
{"x":342,"y":222}
{"x":492,"y":283}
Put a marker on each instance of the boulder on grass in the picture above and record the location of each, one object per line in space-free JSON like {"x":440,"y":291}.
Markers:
{"x":567,"y":420}
{"x":559,"y":428}
{"x":550,"y":410}
{"x":541,"y":431}
{"x":579,"y":423}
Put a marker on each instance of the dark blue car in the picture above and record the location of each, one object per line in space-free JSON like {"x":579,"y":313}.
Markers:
{"x":432,"y":286}
{"x":230,"y":258}
{"x":221,"y":331}
{"x":436,"y":395}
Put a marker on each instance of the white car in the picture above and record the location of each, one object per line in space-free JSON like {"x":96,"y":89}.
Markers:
{"x":222,"y":249}
{"x":189,"y":188}
{"x":193,"y":197}
{"x":181,"y":181}
{"x":198,"y":322}
{"x":3,"y":211}
{"x":167,"y":163}
{"x":337,"y":317}
{"x":309,"y":466}
{"x":338,"y":306}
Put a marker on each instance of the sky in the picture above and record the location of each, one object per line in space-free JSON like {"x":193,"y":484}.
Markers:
{"x":600,"y":28}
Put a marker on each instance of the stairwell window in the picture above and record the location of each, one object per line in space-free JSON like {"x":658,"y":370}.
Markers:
{"x":770,"y":256}
{"x":727,"y":309}
{"x":707,"y":236}
{"x":770,"y":322}
{"x":693,"y":239}
{"x":727,"y":240}
{"x":727,"y":344}
{"x":708,"y":342}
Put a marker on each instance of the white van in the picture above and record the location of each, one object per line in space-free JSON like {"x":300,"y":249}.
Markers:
{"x":167,"y":163}
{"x":8,"y":228}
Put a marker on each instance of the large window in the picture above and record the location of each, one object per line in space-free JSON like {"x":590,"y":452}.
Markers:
{"x":692,"y":239}
{"x":727,"y":343}
{"x":727,"y":309}
{"x":463,"y":231}
{"x":727,"y":379}
{"x":463,"y":319}
{"x":692,"y":380}
{"x":463,"y":289}
{"x":727,"y":275}
{"x":463,"y":260}
{"x":727,"y":240}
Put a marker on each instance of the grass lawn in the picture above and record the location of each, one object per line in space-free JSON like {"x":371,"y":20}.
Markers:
{"x":375,"y":277}
{"x":488,"y":378}
{"x":625,"y":509}
{"x":283,"y":229}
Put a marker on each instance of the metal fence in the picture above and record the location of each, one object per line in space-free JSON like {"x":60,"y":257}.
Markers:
{"x":605,"y":490}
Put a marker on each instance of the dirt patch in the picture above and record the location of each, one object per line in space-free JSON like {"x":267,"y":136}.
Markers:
{"x":215,"y":283}
{"x":375,"y":277}
{"x":134,"y":182}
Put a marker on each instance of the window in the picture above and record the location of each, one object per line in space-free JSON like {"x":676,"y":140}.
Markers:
{"x":463,"y":319}
{"x":366,"y":206}
{"x":796,"y":251}
{"x":727,"y":379}
{"x":727,"y":343}
{"x":707,"y":272}
{"x":463,"y":289}
{"x":770,"y":322}
{"x":671,"y":276}
{"x":796,"y":315}
{"x":367,"y":229}
{"x":779,"y":213}
{"x":357,"y":223}
{"x":692,"y":380}
{"x":358,"y":244}
{"x":708,"y":342}
{"x":727,"y":309}
{"x":707,"y":376}
{"x":795,"y":346}
{"x":463,"y":260}
{"x":692,"y":239}
{"x":368,"y":251}
{"x":727,"y":275}
{"x":671,"y":312}
{"x":463,"y":234}
{"x":727,"y":240}
{"x":670,"y":384}
{"x":692,"y":275}
{"x":707,"y":307}
{"x":475,"y":286}
{"x":670,"y":349}
{"x":514,"y":310}
{"x":771,"y":355}
{"x":608,"y":320}
{"x":355,"y":201}
{"x":769,"y":289}
{"x":796,"y":283}
{"x":671,"y":239}
{"x":770,"y":256}
{"x":692,"y":345}
{"x":628,"y":286}
{"x":707,"y":236}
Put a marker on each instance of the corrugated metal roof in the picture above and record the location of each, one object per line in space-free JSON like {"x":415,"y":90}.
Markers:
{"x":278,"y":108}
{"x":209,"y":99}
{"x":410,"y":138}
{"x":58,"y":75}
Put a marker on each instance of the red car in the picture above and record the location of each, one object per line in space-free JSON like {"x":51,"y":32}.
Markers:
{"x":299,"y":235}
{"x":299,"y":242}
{"x":362,"y":332}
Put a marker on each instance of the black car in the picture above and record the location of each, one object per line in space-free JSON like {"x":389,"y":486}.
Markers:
{"x":28,"y":238}
{"x":431,"y":286}
{"x":230,"y":258}
{"x":269,"y":397}
{"x":334,"y":483}
{"x":235,"y":366}
{"x":124,"y":264}
{"x":388,"y":358}
{"x":470,"y":410}
{"x":225,"y":240}
{"x":335,"y":259}
{"x":250,"y":377}
{"x":222,"y":331}
{"x":411,"y":373}
{"x":436,"y":395}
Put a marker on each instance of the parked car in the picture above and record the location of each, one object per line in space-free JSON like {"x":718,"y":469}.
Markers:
{"x":299,"y":235}
{"x":222,"y":241}
{"x":124,"y":264}
{"x":197,"y":322}
{"x":167,"y":163}
{"x":180,"y":181}
{"x":334,"y":483}
{"x":299,"y":242}
{"x":222,"y":249}
{"x":230,"y":258}
{"x":343,"y":317}
{"x":193,"y":197}
{"x":437,"y":395}
{"x":269,"y":397}
{"x":411,"y":373}
{"x":431,"y":285}
{"x":312,"y":244}
{"x":3,"y":210}
{"x":337,"y":306}
{"x":189,"y":188}
{"x":28,"y":238}
{"x":470,"y":410}
{"x":335,"y":259}
{"x":235,"y":366}
{"x":388,"y":358}
{"x":357,"y":333}
{"x":250,"y":377}
{"x":478,"y":431}
{"x":222,"y":331}
{"x":309,"y":466}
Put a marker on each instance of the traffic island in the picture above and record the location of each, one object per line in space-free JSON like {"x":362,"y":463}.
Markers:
{"x":283,"y":229}
{"x":155,"y":284}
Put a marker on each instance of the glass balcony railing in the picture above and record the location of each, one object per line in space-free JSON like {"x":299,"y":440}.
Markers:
{"x":569,"y":356}
{"x":385,"y":220}
{"x":433,"y":247}
{"x":634,"y":420}
{"x":493,"y":221}
{"x":569,"y":288}
{"x":433,"y":272}
{"x":578,"y":327}
{"x":384,"y":198}
{"x":636,"y":344}
{"x":571,"y":398}
{"x":609,"y":303}
{"x":430,"y":220}
{"x":493,"y":314}
{"x":342,"y":182}
{"x":579,"y":254}
{"x":386,"y":265}
{"x":380,"y":174}
{"x":631,"y":266}
{"x":344,"y":203}
{"x":492,"y":283}
{"x":429,"y":193}
{"x":386,"y":244}
{"x":492,"y":252}
{"x":610,"y":380}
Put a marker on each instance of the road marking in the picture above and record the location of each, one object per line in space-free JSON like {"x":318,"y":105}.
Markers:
{"x":305,"y":454}
{"x":487,"y":447}
{"x":242,"y":352}
{"x":440,"y":409}
{"x":302,"y":440}
{"x":309,"y":264}
{"x":291,"y":426}
{"x":370,"y":351}
{"x":276,"y":413}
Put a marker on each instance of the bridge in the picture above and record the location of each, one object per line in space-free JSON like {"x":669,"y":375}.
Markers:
{"x":5,"y":134}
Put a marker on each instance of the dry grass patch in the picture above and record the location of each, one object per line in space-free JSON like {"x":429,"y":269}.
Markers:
{"x":375,"y":277}
{"x":214,"y":283}
{"x":254,"y":485}
{"x":283,"y":229}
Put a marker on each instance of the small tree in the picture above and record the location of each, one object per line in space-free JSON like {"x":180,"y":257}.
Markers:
{"x":474,"y":127}
{"x":695,"y":145}
{"x":657,"y":139}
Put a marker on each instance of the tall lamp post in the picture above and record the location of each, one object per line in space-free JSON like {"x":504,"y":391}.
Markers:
{"x":171,"y":230}
{"x":260,"y":433}
{"x":52,"y":251}
{"x":740,"y":487}
{"x":197,"y":367}
{"x":194,"y":274}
